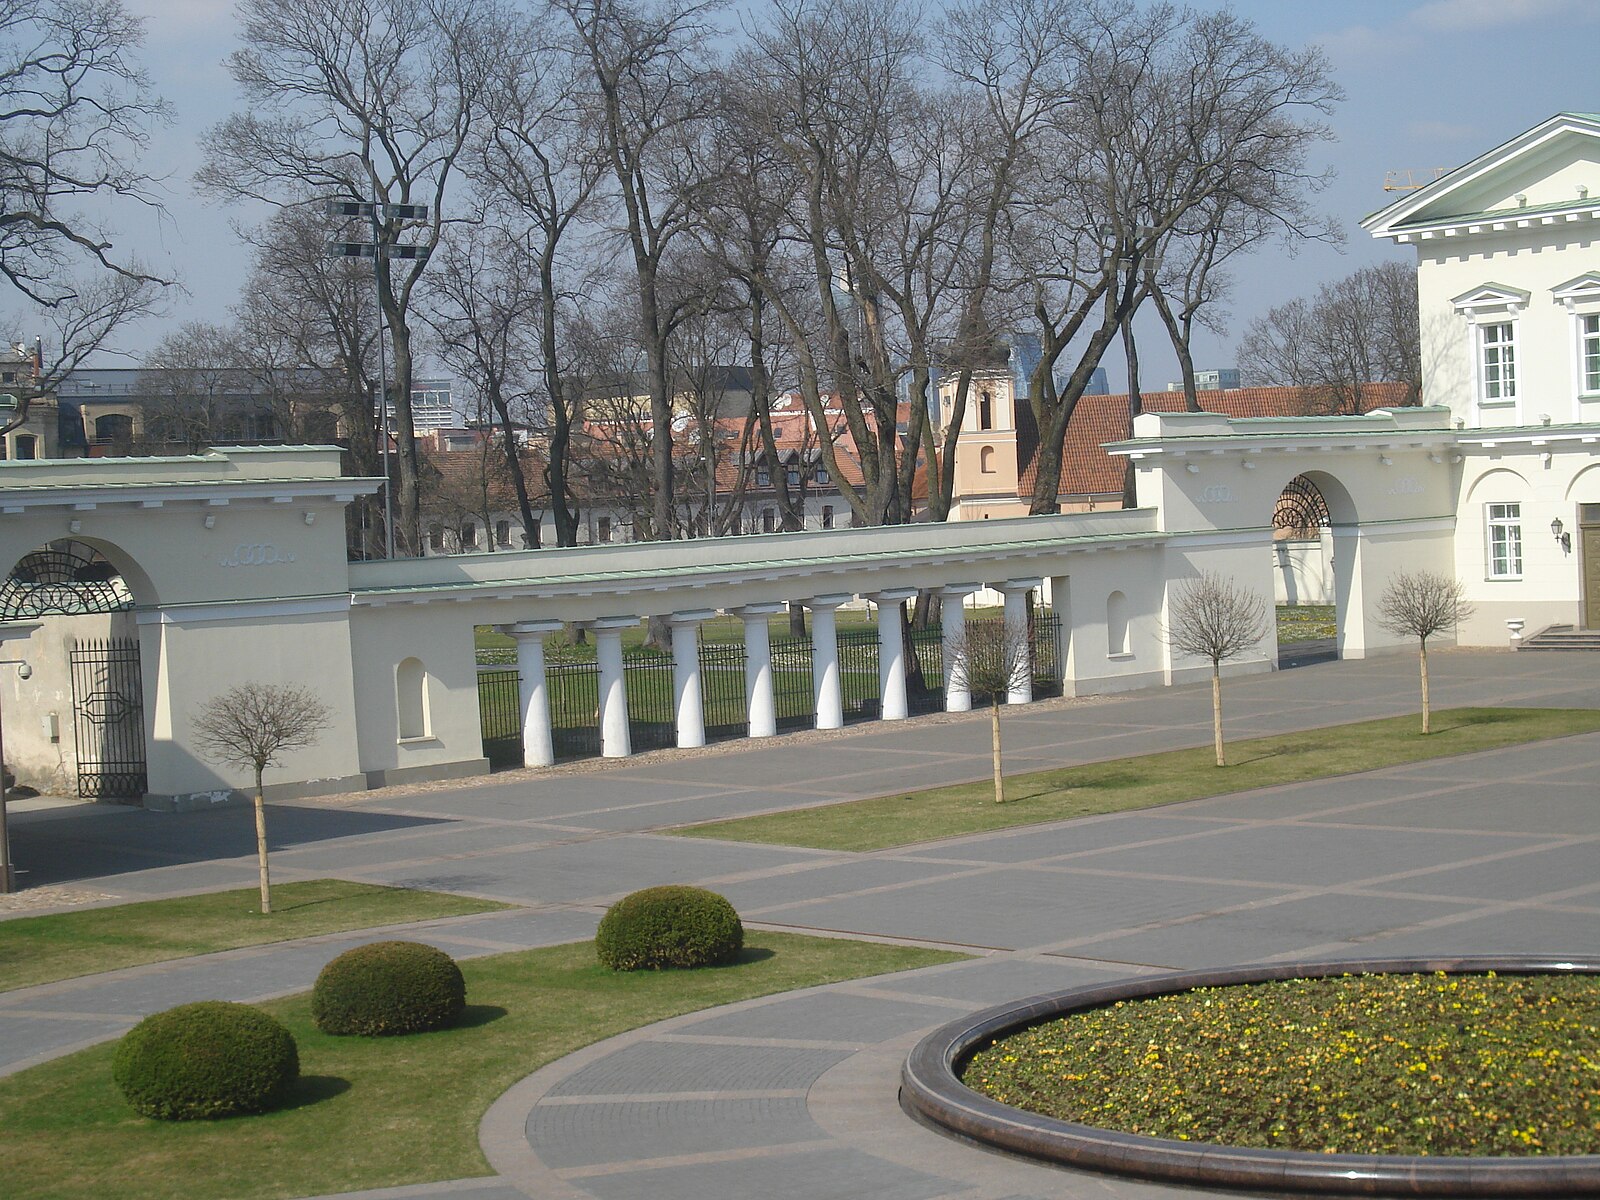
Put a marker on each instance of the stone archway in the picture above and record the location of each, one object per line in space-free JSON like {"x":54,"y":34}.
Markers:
{"x":84,"y":648}
{"x":1308,"y":576}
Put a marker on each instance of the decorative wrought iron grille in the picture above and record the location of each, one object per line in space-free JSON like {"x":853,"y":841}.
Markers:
{"x":108,"y":718}
{"x":574,"y":706}
{"x":647,"y":679}
{"x":65,"y":578}
{"x":722,"y":689}
{"x":1301,"y":509}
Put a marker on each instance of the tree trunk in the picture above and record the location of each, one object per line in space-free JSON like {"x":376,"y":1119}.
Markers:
{"x":797,"y":619}
{"x":408,"y":510}
{"x":994,"y":735}
{"x":1216,"y":711}
{"x":1425,"y":726}
{"x":261,"y":846}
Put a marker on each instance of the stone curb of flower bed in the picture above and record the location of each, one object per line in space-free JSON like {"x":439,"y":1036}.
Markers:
{"x":932,"y":1093}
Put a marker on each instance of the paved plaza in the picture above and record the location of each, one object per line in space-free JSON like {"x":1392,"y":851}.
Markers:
{"x":794,"y":1096}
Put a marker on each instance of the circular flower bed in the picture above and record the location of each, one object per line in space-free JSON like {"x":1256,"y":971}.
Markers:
{"x":1468,"y":1077}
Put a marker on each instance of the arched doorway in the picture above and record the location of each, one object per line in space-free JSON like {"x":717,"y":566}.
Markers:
{"x":82,"y":602}
{"x":1305,"y":571}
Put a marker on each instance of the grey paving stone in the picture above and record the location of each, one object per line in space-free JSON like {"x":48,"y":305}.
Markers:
{"x":602,"y":867}
{"x":1013,"y":909}
{"x":687,"y":1067}
{"x":994,"y":981}
{"x":826,"y":1016}
{"x":1292,"y":856}
{"x":842,"y":1174}
{"x":1521,"y":877}
{"x":827,"y":879}
{"x":1073,"y":837}
{"x":1549,"y":809}
{"x":1517,"y":931}
{"x":576,"y":1135}
{"x":1269,"y":932}
{"x":24,"y":1037}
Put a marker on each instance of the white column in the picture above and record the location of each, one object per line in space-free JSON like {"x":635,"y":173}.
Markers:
{"x":533,"y":694}
{"x":614,"y":739}
{"x":891,"y":655}
{"x":687,"y":703}
{"x":1016,"y":593}
{"x":825,"y":689}
{"x":953,"y":622}
{"x":758,"y":668}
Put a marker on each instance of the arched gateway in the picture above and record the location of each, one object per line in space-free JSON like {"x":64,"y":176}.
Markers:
{"x":235,"y":564}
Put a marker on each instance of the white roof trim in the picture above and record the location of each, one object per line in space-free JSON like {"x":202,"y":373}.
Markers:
{"x":1386,"y":221}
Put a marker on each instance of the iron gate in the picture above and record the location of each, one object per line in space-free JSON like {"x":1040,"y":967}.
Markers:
{"x":108,"y":719}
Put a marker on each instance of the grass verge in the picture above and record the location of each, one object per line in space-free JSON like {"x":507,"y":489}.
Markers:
{"x":1146,"y":781}
{"x":35,"y":950}
{"x":1372,"y":1064}
{"x":381,"y":1112}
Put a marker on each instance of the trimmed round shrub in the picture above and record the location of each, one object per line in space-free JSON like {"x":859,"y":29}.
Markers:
{"x":669,"y":926}
{"x":388,"y":988}
{"x":211,"y":1059}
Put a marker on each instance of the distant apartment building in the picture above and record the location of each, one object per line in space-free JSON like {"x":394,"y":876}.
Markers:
{"x":1219,"y":379}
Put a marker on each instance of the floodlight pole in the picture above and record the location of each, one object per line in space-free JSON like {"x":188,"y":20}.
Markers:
{"x":383,"y":384}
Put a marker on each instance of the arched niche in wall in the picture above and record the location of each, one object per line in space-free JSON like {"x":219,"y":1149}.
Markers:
{"x":1116,"y":623}
{"x":411,"y":693}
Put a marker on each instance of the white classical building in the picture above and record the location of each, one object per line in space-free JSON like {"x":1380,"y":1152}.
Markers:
{"x":137,"y":589}
{"x":1508,"y":276}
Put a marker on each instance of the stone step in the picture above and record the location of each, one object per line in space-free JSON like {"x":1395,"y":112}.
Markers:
{"x":1562,"y":637}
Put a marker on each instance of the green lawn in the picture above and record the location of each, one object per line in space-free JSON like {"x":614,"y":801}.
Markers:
{"x":382,"y":1112}
{"x":1306,"y":622}
{"x":1144,"y":782}
{"x":36,"y":950}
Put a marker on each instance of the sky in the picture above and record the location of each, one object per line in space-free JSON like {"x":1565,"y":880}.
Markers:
{"x":1427,"y":85}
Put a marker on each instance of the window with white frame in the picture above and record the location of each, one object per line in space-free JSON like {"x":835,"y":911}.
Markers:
{"x":1505,"y":541}
{"x":1589,"y":352}
{"x":1497,"y":362}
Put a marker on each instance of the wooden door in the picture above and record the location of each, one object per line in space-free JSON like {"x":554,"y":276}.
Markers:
{"x":1589,"y":539}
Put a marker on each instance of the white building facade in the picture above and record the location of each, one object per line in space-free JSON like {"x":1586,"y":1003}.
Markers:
{"x":1508,"y":277}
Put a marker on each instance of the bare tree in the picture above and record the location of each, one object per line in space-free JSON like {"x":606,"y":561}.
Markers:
{"x":191,"y":389}
{"x":535,"y":166}
{"x":991,"y":658}
{"x":1214,"y":618}
{"x":252,"y":726}
{"x":486,"y":301}
{"x":1161,"y":123}
{"x":75,"y":112}
{"x":366,"y":100}
{"x":1420,"y":604}
{"x":1359,"y":330}
{"x":643,"y":84}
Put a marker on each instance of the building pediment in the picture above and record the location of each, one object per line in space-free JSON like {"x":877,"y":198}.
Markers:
{"x":1491,"y":297}
{"x":1585,"y":289}
{"x":1547,"y":175}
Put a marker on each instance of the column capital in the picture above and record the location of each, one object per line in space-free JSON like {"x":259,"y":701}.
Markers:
{"x":835,"y":601}
{"x":607,"y":624}
{"x":539,"y":629}
{"x":750,"y":611}
{"x":892,"y":595}
{"x":692,"y":617}
{"x":1021,"y":585}
{"x":955,"y":591}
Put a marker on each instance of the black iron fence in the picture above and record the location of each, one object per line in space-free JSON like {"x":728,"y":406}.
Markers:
{"x":574,"y":689}
{"x":108,"y":718}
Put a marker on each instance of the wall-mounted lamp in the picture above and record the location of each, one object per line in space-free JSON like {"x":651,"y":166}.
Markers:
{"x":311,"y":518}
{"x":1563,"y":538}
{"x":1385,"y":461}
{"x":74,"y":525}
{"x":1249,"y":464}
{"x":1192,"y":468}
{"x":210,"y":521}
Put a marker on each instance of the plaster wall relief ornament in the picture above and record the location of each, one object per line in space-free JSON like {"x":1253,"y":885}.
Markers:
{"x":255,"y":554}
